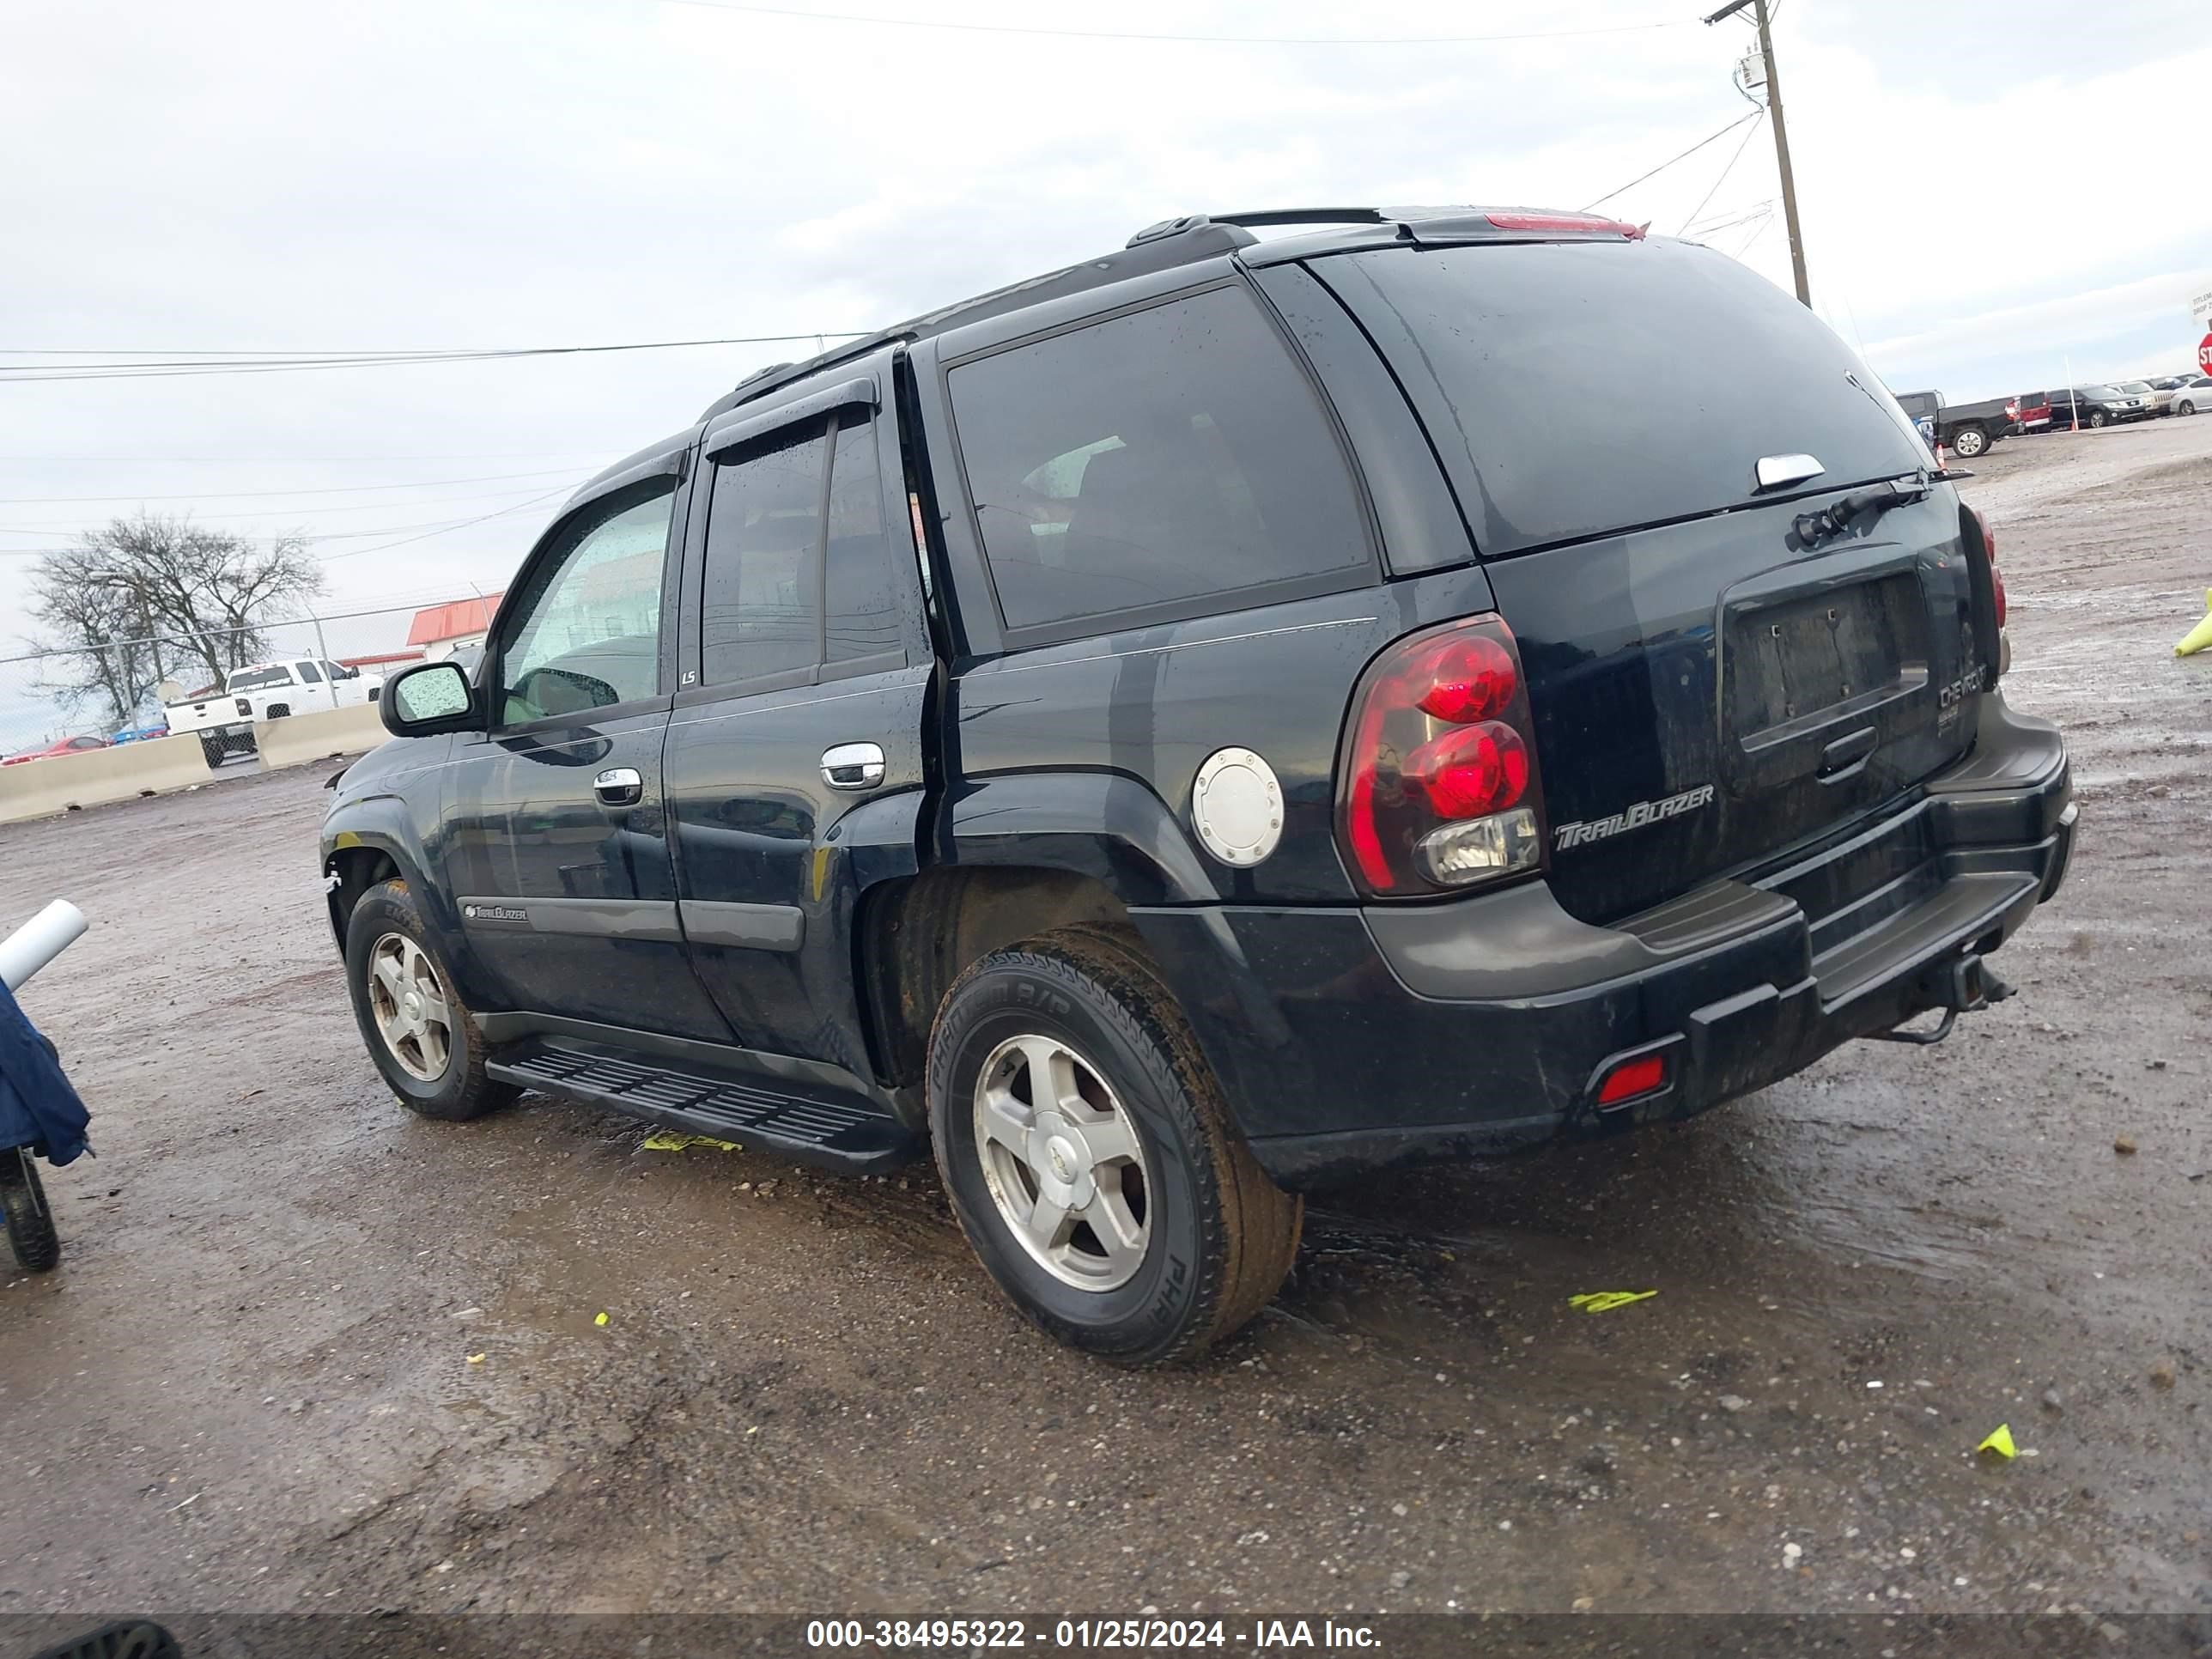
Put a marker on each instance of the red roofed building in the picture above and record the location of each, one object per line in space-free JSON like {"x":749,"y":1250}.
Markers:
{"x":456,"y":621}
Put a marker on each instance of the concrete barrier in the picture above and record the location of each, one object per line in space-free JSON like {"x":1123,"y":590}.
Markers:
{"x":38,"y":788}
{"x":319,"y":734}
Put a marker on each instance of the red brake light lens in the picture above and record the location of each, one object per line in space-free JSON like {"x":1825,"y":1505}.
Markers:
{"x":1438,"y":785}
{"x":1471,"y":770}
{"x":1633,"y":1077}
{"x":1470,"y":677}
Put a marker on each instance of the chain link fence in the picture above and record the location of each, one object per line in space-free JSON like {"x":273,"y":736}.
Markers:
{"x":36,"y":708}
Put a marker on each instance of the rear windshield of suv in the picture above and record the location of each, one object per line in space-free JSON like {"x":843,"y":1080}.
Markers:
{"x":1578,"y":388}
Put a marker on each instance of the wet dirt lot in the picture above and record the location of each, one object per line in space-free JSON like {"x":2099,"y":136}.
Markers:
{"x":253,"y":1383}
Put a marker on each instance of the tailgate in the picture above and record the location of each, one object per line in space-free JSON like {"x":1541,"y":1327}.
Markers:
{"x":1706,"y":700}
{"x":1710,"y":691}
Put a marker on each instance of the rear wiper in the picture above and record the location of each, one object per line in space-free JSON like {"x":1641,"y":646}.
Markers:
{"x":1837,"y":516}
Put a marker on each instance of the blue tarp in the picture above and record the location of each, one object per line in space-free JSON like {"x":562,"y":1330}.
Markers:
{"x":37,"y":1107}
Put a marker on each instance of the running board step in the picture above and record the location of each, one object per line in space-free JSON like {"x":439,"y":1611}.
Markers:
{"x":807,"y":1129}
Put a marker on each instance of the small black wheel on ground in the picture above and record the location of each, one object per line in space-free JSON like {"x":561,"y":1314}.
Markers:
{"x":1090,"y":1157}
{"x":1968,"y":441}
{"x":2097,"y":418}
{"x":211,"y":750}
{"x":412,"y":1019}
{"x":30,"y":1221}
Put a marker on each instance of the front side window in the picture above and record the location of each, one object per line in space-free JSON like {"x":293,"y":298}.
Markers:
{"x":310,"y":673}
{"x":590,"y":631}
{"x":1150,"y":460}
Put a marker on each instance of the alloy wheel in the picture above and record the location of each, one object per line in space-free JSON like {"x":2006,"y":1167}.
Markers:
{"x":1064,"y":1163}
{"x":409,"y":1004}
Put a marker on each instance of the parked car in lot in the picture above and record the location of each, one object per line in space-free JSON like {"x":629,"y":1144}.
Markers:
{"x":1182,"y":730}
{"x":2095,"y":406}
{"x":267,"y":691}
{"x":2165,"y":389}
{"x":59,"y":746}
{"x":138,"y":733}
{"x":1966,"y":430}
{"x":2193,"y":396}
{"x":2034,"y":408}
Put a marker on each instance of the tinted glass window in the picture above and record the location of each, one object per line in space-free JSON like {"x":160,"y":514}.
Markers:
{"x":589,"y":632}
{"x":1150,"y":459}
{"x":763,"y":529}
{"x":309,"y":672}
{"x":1585,"y":387}
{"x":861,"y":599}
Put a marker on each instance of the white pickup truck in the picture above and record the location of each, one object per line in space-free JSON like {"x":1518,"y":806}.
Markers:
{"x":267,"y":691}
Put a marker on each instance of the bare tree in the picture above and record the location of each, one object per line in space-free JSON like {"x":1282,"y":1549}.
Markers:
{"x":206,"y":594}
{"x":104,"y":659}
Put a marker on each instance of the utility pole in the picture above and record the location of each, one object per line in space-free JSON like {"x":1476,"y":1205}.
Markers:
{"x":1781,"y":140}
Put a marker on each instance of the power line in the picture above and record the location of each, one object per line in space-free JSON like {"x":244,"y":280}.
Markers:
{"x":571,"y":480}
{"x":1751,"y":115}
{"x":242,"y":494}
{"x":153,"y":367}
{"x":1738,"y":155}
{"x":430,"y":527}
{"x":1185,"y":40}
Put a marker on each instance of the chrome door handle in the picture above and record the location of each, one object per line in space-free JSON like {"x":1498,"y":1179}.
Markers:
{"x":618,"y":785}
{"x":852,"y":766}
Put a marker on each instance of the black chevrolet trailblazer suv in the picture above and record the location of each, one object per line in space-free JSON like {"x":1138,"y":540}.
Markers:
{"x":1210,"y":721}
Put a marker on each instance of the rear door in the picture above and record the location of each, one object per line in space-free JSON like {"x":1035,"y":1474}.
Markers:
{"x":794,"y":758}
{"x":1709,"y":689}
{"x":554,"y":842}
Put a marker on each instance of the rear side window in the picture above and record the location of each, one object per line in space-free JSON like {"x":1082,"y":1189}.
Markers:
{"x":762,"y":529}
{"x":1578,"y":388}
{"x":795,"y":577}
{"x":1141,"y":463}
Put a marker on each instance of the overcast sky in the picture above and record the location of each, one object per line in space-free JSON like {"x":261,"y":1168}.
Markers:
{"x":1988,"y":191}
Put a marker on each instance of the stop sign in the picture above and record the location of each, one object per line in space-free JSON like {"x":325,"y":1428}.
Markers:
{"x":2204,"y":354}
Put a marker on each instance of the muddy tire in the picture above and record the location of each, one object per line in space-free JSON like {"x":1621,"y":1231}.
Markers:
{"x":1089,"y":1158}
{"x":417,"y":1029}
{"x":1968,"y":441}
{"x":30,"y":1221}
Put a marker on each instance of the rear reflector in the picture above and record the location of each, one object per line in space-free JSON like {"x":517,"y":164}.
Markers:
{"x":1540,"y":221}
{"x":1633,"y":1077}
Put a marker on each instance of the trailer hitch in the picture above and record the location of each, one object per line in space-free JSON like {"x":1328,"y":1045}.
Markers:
{"x":1960,"y":985}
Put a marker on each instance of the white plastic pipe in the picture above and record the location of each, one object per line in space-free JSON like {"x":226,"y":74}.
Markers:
{"x":39,"y":940}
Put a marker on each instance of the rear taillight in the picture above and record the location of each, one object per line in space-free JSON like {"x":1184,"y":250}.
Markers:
{"x":1989,"y":547}
{"x":245,"y":706}
{"x":1437,"y":787}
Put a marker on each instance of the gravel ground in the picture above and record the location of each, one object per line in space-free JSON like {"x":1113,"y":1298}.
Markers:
{"x":255,"y":1384}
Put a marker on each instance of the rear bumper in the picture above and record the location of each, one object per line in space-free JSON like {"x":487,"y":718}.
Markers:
{"x":1354,"y":1040}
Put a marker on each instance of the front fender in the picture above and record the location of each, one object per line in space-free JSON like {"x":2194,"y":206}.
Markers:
{"x":364,"y":829}
{"x":1100,"y":825}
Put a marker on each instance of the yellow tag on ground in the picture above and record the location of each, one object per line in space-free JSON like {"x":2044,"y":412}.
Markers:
{"x":2000,"y":1442}
{"x":476,"y":1359}
{"x":601,"y":1320}
{"x":1601,"y":1301}
{"x":667,"y":1140}
{"x":2199,"y":636}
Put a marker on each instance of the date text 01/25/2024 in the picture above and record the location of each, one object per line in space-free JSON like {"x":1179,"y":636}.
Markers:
{"x":1083,"y":1635}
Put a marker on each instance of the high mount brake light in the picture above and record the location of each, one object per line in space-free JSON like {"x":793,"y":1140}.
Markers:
{"x":1437,"y":785}
{"x":1565,"y":222}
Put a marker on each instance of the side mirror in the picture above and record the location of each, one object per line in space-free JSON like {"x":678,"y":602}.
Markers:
{"x":427,"y":698}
